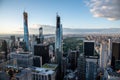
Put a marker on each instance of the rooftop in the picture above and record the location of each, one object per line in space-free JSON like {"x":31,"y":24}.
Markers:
{"x":71,"y":75}
{"x":89,"y":41}
{"x":23,"y":72}
{"x":21,"y":53}
{"x":44,"y":71}
{"x":113,"y":73}
{"x":41,"y":45}
{"x":92,"y":57}
{"x":50,"y":66}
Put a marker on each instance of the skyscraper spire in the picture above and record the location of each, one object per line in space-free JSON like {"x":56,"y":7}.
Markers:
{"x":57,"y":21}
{"x":26,"y":33}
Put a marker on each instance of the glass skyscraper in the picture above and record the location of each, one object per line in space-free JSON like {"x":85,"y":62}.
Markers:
{"x":58,"y":45}
{"x":58,"y":40}
{"x":26,"y":33}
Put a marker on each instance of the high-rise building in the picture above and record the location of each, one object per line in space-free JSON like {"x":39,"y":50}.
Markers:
{"x":81,"y":67}
{"x":26,"y":33}
{"x":73,"y":60}
{"x":4,"y":76}
{"x":91,"y":67}
{"x":51,"y":53}
{"x":12,"y":44}
{"x":109,"y":52}
{"x":58,"y":44}
{"x":33,"y":42}
{"x":4,"y":48}
{"x":103,"y":55}
{"x":41,"y":35}
{"x":38,"y":40}
{"x":116,"y":50}
{"x":115,"y":53}
{"x":81,"y":44}
{"x":117,"y":65}
{"x":25,"y":74}
{"x":37,"y":61}
{"x":12,"y":38}
{"x":24,"y":59}
{"x":89,"y":48}
{"x":64,"y":66}
{"x":58,"y":40}
{"x":110,"y":74}
{"x":46,"y":72}
{"x":43,"y":51}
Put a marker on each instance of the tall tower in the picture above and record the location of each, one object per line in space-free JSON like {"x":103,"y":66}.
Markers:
{"x":103,"y":55}
{"x":26,"y":33}
{"x":58,"y":44}
{"x":89,"y":48}
{"x":115,"y":55}
{"x":41,"y":35}
{"x":109,"y":52}
{"x":81,"y":67}
{"x":58,"y":40}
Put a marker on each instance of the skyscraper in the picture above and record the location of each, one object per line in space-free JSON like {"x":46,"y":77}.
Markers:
{"x":89,"y":48}
{"x":24,"y":59}
{"x":109,"y":52}
{"x":103,"y":55}
{"x":41,"y":34}
{"x":91,"y":67}
{"x":42,"y":50}
{"x":37,"y":61}
{"x":58,"y":40}
{"x":26,"y":33}
{"x":12,"y":44}
{"x":73,"y":60}
{"x":115,"y":53}
{"x":4,"y":48}
{"x":58,"y":44}
{"x":81,"y":67}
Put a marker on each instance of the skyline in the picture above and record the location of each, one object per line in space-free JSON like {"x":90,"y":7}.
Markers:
{"x":74,"y":14}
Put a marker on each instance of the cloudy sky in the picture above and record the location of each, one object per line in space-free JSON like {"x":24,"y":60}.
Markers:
{"x":86,"y":14}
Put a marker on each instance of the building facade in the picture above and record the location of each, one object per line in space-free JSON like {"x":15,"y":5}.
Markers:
{"x":115,"y":53}
{"x":89,"y":48}
{"x":24,"y":59}
{"x":81,"y":67}
{"x":91,"y":67}
{"x":42,"y":50}
{"x":103,"y":55}
{"x":26,"y":32}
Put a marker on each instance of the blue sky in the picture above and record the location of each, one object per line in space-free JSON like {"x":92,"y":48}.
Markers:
{"x":74,"y":14}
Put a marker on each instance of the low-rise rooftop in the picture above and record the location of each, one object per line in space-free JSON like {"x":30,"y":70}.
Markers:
{"x":50,"y":66}
{"x":44,"y":71}
{"x":113,"y":73}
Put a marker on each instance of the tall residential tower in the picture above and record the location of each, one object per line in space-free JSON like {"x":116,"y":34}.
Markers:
{"x":58,"y":45}
{"x":58,"y":40}
{"x":26,"y":33}
{"x":41,"y":35}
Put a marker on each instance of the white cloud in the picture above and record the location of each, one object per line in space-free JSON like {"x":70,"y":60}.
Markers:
{"x":109,"y":9}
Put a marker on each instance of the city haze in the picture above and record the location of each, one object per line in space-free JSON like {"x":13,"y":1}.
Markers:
{"x":80,"y":14}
